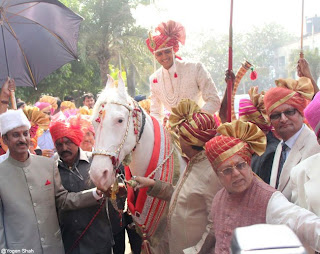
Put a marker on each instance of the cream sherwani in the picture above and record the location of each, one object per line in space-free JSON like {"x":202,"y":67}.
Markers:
{"x":189,"y":220}
{"x":30,"y":193}
{"x":305,"y":181}
{"x":305,"y":146}
{"x":193,"y":82}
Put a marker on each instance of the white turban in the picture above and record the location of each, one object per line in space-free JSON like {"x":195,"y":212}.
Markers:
{"x":13,"y":119}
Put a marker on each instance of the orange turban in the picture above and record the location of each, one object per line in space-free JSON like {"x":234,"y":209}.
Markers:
{"x":291,"y":92}
{"x":237,"y":138}
{"x":194,"y":126}
{"x":171,"y":33}
{"x":67,"y":105}
{"x":60,"y":129}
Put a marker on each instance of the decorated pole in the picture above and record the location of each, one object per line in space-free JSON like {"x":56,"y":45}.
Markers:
{"x":301,"y":46}
{"x":229,"y":83}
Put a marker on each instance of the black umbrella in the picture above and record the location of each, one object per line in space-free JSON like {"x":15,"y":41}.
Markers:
{"x":36,"y":38}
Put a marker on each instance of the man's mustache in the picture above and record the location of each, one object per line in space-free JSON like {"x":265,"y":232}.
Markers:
{"x":22,"y":143}
{"x":66,"y":153}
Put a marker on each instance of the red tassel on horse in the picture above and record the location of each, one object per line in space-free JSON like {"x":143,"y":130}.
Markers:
{"x":145,"y":247}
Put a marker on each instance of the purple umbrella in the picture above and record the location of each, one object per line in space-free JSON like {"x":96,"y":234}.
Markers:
{"x":36,"y":38}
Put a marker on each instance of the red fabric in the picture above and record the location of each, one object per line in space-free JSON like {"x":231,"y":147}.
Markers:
{"x":275,"y":94}
{"x":171,"y":33}
{"x":221,"y":144}
{"x":136,"y":205}
{"x":48,"y":182}
{"x":60,"y":129}
{"x":136,"y":201}
{"x":33,"y":130}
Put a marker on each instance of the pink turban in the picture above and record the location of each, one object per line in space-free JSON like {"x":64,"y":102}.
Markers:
{"x":312,"y":113}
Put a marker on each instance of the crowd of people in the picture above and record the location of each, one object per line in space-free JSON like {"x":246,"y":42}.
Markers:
{"x":261,"y":168}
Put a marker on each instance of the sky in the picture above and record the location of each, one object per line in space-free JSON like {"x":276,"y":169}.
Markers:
{"x":207,"y":15}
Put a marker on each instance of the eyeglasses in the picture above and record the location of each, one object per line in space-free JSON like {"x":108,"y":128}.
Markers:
{"x":229,"y":170}
{"x":166,"y":52}
{"x":287,"y":113}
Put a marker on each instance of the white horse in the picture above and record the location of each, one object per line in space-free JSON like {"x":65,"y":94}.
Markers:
{"x":124,"y":130}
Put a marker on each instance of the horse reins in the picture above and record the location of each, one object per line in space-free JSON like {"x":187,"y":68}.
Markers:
{"x":76,"y":242}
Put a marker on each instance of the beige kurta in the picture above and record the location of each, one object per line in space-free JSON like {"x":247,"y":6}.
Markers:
{"x":30,"y":193}
{"x":189,"y":219}
{"x":193,"y":82}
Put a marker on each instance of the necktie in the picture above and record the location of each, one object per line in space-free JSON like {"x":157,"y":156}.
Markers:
{"x":281,"y":162}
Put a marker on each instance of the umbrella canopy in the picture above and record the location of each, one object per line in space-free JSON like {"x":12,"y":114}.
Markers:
{"x":36,"y":38}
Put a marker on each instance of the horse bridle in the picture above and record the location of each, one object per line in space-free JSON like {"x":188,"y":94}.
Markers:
{"x":133,"y":112}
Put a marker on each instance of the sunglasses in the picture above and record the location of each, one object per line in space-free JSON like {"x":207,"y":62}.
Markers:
{"x":287,"y":113}
{"x":229,"y":170}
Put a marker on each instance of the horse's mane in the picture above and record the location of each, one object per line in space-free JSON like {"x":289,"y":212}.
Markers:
{"x":111,"y":94}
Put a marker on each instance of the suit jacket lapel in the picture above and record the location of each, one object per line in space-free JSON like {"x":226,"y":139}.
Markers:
{"x":293,"y":159}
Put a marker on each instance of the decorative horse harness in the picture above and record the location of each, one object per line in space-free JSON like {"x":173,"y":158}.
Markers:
{"x":138,"y":122}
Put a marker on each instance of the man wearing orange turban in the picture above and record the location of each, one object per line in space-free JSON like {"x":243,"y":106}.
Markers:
{"x":245,"y":199}
{"x":74,"y":165}
{"x":285,"y":104}
{"x":192,"y":196}
{"x":177,"y":79}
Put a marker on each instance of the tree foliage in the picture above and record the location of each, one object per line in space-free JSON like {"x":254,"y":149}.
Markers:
{"x":313,"y":58}
{"x":107,"y":34}
{"x":257,"y":46}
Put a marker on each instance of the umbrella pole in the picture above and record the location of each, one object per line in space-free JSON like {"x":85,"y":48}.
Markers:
{"x":13,"y":99}
{"x":301,"y":47}
{"x":12,"y":92}
{"x":229,"y":83}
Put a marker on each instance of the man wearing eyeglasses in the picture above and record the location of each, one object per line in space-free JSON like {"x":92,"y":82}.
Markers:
{"x":285,"y":104}
{"x":177,"y":79}
{"x":245,"y":199}
{"x":74,"y":165}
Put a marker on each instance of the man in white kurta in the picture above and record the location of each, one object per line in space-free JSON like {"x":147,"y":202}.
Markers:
{"x":193,"y":82}
{"x":177,"y":79}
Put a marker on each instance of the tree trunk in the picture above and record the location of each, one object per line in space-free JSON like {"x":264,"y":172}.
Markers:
{"x":131,"y":80}
{"x":104,"y":70}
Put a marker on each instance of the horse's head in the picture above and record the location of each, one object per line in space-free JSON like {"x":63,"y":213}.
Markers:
{"x":116,"y":132}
